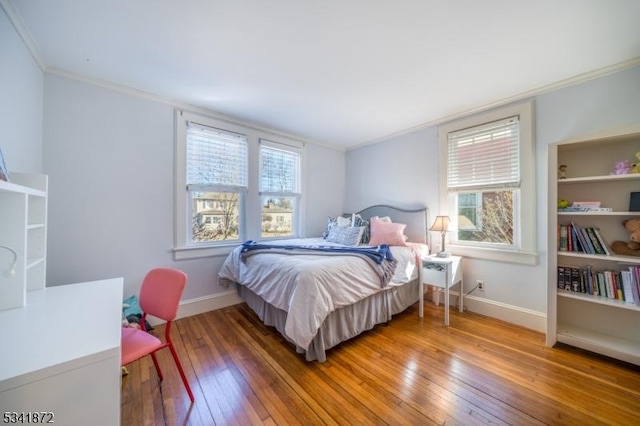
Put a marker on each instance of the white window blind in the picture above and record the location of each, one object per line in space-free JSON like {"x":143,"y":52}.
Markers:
{"x":216,"y":158}
{"x":279,"y":169}
{"x":486,"y":156}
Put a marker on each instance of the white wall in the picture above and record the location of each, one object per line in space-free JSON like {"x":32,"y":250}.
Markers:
{"x":109,"y":157}
{"x":20,"y":103}
{"x":404,"y":170}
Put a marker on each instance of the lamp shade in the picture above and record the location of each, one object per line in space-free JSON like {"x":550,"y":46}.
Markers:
{"x":440,"y":224}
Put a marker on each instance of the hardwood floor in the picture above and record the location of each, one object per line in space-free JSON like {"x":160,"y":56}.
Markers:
{"x":412,"y":371}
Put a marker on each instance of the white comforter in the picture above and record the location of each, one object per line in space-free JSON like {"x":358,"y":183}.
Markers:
{"x":309,"y":287}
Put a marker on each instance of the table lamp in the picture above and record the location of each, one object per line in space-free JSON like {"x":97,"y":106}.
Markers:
{"x":441,"y":225}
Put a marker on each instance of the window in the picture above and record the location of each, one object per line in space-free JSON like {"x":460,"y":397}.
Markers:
{"x":489,"y":184}
{"x":216,"y":183}
{"x":279,"y":189}
{"x":233,"y":183}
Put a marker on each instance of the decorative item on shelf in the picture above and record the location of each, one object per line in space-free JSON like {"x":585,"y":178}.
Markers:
{"x":4,"y":173}
{"x":441,"y":224}
{"x":635,"y":167}
{"x":11,"y":272}
{"x":562,"y":171}
{"x":634,"y":202}
{"x":631,"y":247}
{"x":563,"y":203}
{"x":582,"y":206}
{"x":621,"y":167}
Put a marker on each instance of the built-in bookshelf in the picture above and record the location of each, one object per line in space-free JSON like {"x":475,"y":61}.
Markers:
{"x":583,"y":316}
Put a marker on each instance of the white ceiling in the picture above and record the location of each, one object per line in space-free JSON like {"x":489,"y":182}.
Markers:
{"x":342,"y":73}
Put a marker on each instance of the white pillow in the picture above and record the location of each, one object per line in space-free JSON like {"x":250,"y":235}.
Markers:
{"x":346,"y":235}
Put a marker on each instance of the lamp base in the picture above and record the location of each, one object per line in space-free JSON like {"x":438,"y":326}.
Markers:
{"x":443,"y":254}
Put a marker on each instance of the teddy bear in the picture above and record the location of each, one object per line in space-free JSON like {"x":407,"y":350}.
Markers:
{"x":635,"y":167}
{"x":632,"y":247}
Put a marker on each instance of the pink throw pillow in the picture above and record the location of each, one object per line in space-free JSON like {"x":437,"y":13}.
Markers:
{"x":387,"y":233}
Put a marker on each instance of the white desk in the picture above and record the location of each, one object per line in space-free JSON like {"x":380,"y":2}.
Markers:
{"x":442,"y":272}
{"x":60,"y":354}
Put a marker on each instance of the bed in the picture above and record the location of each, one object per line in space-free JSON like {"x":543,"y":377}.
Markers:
{"x":318,"y":292}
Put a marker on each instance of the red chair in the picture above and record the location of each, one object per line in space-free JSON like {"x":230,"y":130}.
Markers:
{"x":159,"y":296}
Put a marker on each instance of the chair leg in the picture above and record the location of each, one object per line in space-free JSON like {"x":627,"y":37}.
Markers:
{"x":155,"y":363}
{"x":181,"y":371}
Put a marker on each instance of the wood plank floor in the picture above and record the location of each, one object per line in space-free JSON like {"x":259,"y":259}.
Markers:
{"x":412,"y":371}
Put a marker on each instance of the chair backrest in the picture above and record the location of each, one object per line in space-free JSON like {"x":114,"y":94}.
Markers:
{"x":161,"y":291}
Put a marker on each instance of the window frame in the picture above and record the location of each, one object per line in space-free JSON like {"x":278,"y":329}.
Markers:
{"x":525,"y":209}
{"x":296,"y":194}
{"x":250,"y":217}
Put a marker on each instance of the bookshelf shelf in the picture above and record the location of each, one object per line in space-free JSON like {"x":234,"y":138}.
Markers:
{"x":599,"y":213}
{"x":629,"y":260}
{"x":603,"y":178}
{"x":598,"y":299}
{"x":597,"y":323}
{"x":615,"y":347}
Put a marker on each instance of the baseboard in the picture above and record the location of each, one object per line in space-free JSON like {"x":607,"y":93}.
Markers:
{"x":200,"y":305}
{"x":527,"y":318}
{"x":514,"y":314}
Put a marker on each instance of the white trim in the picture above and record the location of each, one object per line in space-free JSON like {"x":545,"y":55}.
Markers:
{"x":527,"y":318}
{"x":16,"y":20}
{"x":509,"y":256}
{"x":568,"y":82}
{"x":187,"y":107}
{"x":195,"y":252}
{"x":525,"y":213}
{"x":200,"y":305}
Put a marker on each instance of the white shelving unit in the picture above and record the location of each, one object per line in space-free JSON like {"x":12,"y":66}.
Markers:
{"x":23,"y":228}
{"x":595,"y":323}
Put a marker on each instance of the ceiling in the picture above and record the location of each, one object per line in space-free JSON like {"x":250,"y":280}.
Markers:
{"x":341,"y":73}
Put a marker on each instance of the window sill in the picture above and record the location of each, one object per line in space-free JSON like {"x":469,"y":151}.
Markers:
{"x":184,"y":253}
{"x":520,"y":257}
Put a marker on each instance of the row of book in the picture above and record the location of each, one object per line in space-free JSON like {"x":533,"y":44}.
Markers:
{"x":621,"y":285}
{"x":572,"y":237}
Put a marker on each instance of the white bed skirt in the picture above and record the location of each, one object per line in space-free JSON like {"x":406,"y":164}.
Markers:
{"x":341,"y":324}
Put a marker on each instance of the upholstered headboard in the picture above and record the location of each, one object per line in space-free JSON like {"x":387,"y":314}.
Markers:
{"x":417,"y":220}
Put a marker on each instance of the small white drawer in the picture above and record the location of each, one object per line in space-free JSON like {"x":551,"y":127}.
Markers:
{"x":433,"y":273}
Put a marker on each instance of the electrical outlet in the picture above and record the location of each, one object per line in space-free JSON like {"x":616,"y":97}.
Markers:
{"x":480,"y":285}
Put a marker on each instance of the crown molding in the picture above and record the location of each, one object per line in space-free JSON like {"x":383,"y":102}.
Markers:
{"x":572,"y":81}
{"x":24,"y":33}
{"x":16,"y":20}
{"x":178,"y":104}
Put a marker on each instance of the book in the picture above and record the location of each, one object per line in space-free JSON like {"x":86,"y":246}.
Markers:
{"x":580,"y":237}
{"x":602,"y":242}
{"x":562,"y":246}
{"x":570,"y":237}
{"x":585,"y":209}
{"x":561,"y":277}
{"x":575,"y":279}
{"x":626,"y":286}
{"x":590,"y":248}
{"x":589,"y":280}
{"x":594,"y":240}
{"x":586,"y":204}
{"x":617,"y":285}
{"x":602,"y":291}
{"x":635,"y":284}
{"x":609,"y":285}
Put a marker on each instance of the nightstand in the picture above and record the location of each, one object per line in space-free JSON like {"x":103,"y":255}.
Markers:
{"x":442,"y":272}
